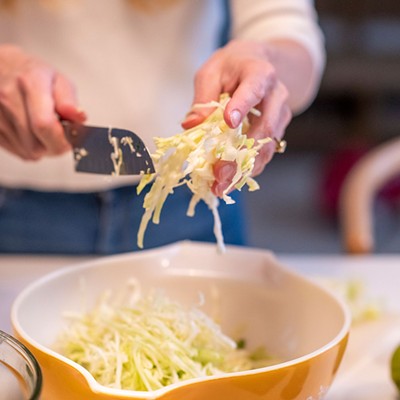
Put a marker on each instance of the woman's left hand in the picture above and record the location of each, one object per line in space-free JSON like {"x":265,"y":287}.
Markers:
{"x":245,"y":71}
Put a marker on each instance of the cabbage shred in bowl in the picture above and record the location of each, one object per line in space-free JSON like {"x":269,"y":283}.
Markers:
{"x":147,"y":342}
{"x":257,"y":298}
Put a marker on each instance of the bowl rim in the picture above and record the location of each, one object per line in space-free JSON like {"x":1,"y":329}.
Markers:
{"x":155,"y":394}
{"x":27,"y":354}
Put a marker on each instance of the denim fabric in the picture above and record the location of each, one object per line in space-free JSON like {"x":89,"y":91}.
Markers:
{"x":105,"y":222}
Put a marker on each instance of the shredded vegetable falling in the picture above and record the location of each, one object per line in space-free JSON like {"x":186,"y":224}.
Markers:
{"x":188,"y":158}
{"x":151,"y":343}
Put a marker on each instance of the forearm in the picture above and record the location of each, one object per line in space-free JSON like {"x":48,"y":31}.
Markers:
{"x":294,"y":42}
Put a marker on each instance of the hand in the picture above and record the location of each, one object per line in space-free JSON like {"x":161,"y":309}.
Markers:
{"x":33,"y":99}
{"x":244,"y":70}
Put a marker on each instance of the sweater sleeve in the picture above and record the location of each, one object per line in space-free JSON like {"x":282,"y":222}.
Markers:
{"x":295,"y":20}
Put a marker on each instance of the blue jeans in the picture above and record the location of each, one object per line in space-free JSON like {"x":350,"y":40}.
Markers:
{"x":105,"y":222}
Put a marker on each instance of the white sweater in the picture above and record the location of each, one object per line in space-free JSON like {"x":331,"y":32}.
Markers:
{"x":135,"y":70}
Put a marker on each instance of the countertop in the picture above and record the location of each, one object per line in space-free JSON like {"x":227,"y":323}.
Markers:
{"x":364,"y":373}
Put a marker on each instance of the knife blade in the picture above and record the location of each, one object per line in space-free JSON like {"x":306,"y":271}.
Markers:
{"x":107,"y":151}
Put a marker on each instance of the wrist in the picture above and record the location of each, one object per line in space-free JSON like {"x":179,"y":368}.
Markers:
{"x":295,"y":69}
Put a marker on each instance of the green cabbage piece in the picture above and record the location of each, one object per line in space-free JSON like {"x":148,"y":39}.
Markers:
{"x":151,"y":343}
{"x":188,"y":158}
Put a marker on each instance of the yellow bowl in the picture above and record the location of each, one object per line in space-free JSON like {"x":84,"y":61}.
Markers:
{"x":292,"y":317}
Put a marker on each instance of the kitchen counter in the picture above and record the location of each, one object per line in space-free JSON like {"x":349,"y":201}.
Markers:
{"x":365,"y":370}
{"x":364,"y":373}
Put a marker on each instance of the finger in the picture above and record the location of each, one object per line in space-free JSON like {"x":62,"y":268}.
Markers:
{"x":65,"y":100}
{"x":15,"y":124}
{"x":207,"y":87}
{"x":256,"y":83}
{"x":224,"y":172}
{"x":8,"y":145}
{"x":10,"y":140}
{"x":271,"y":112}
{"x":8,"y":129}
{"x":275,"y":117}
{"x":268,"y":150}
{"x":37,"y":89}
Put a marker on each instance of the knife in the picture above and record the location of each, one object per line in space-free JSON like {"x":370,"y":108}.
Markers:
{"x":107,"y":151}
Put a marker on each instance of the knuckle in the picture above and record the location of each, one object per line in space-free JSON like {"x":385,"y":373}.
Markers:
{"x":204,"y":73}
{"x":269,"y":71}
{"x":36,"y":152}
{"x":25,"y":79}
{"x":263,"y":69}
{"x":209,"y":69}
{"x":259,"y":89}
{"x":261,"y":78}
{"x":31,"y":72}
{"x":6,"y":95}
{"x":31,"y":155}
{"x":43,"y":125}
{"x":284,"y":92}
{"x":266,"y":129}
{"x":61,"y":149}
{"x":198,"y":75}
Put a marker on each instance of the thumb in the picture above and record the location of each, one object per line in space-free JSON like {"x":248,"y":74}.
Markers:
{"x":65,"y":100}
{"x":224,"y":172}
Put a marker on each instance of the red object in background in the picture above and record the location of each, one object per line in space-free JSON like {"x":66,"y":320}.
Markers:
{"x":334,"y":173}
{"x":391,"y":192}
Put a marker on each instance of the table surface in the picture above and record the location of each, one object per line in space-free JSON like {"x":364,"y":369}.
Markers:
{"x":364,"y":373}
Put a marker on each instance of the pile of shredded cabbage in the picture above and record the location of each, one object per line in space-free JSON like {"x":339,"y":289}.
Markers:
{"x":353,"y":292}
{"x":151,"y":343}
{"x":188,"y":158}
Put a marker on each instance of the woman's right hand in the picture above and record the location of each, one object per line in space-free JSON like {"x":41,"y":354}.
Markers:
{"x":33,"y":98}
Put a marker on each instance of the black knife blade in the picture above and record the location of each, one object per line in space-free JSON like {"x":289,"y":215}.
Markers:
{"x":108,"y":151}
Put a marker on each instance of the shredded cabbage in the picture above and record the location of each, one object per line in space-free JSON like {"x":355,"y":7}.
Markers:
{"x":151,"y":343}
{"x":353,"y":293}
{"x":188,"y":158}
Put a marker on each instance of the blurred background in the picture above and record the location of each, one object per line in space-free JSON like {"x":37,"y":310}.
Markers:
{"x":357,"y":108}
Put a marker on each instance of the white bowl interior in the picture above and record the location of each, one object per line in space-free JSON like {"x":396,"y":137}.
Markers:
{"x":250,"y":294}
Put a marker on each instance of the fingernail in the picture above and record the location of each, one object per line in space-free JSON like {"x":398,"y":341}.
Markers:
{"x":82,"y":114}
{"x":235,"y":117}
{"x":225,"y":173}
{"x":190,"y":117}
{"x":218,"y":188}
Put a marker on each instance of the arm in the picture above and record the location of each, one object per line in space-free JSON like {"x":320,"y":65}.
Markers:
{"x":290,"y":28}
{"x":33,"y":98}
{"x":275,"y":70}
{"x":296,"y":70}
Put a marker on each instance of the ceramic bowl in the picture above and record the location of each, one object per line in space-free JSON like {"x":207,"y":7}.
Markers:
{"x":301,"y":323}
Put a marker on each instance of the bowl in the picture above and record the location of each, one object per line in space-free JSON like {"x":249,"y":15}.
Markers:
{"x":20,"y":374}
{"x":299,"y":322}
